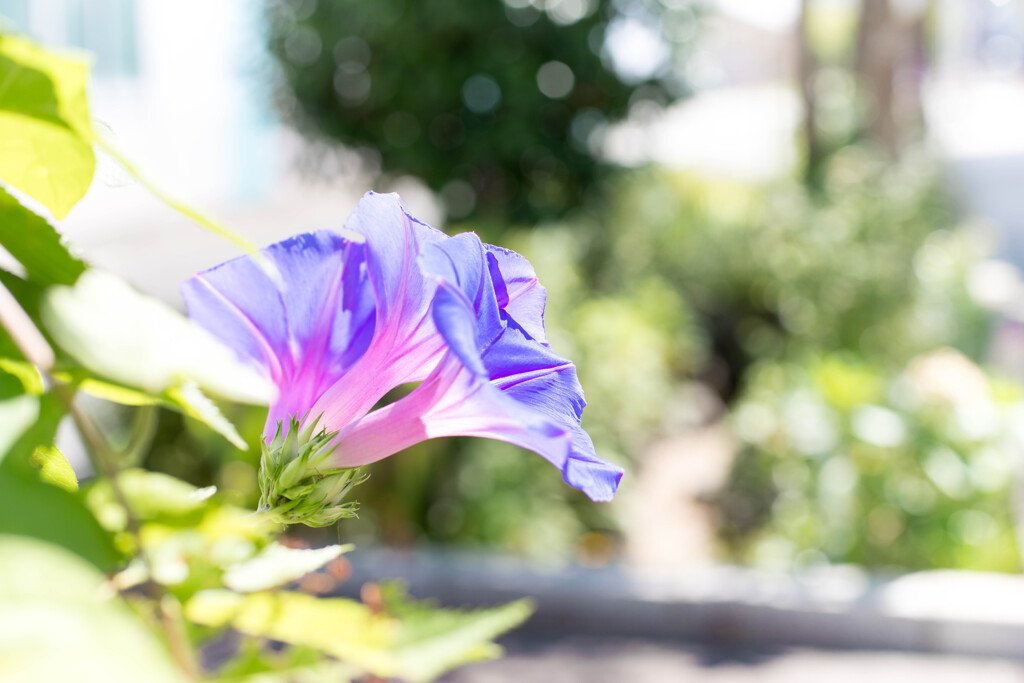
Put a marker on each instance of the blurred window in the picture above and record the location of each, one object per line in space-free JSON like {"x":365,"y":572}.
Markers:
{"x":106,"y":28}
{"x":15,"y":10}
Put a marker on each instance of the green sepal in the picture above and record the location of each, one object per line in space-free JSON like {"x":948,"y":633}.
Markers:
{"x":297,"y":483}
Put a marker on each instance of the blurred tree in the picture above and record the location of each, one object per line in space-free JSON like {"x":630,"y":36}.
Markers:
{"x":494,"y":103}
{"x":870,"y":67}
{"x":877,"y":52}
{"x":890,"y":52}
{"x":807,"y":65}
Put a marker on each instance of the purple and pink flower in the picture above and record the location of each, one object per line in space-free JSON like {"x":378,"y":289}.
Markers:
{"x":390,"y":301}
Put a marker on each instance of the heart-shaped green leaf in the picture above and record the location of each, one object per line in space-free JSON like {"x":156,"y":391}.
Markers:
{"x":45,"y":132}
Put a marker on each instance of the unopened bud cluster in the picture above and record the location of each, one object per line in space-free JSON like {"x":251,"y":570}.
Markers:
{"x":297,"y":485}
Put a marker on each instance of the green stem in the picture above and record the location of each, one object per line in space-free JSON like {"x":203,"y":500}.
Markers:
{"x":182,"y":208}
{"x":143,"y":430}
{"x":105,"y":461}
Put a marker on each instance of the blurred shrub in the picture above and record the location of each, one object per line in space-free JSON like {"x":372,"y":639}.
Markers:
{"x":842,"y":462}
{"x":493,"y":102}
{"x":876,"y":266}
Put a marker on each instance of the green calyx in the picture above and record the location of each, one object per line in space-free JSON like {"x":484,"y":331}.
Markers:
{"x":297,"y":485}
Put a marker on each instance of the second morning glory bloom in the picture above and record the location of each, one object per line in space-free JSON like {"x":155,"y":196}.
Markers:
{"x":337,"y":321}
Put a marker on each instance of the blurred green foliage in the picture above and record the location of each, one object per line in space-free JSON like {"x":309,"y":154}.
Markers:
{"x":875,"y":266}
{"x":493,"y":103}
{"x":682,"y":281}
{"x":45,"y":131}
{"x":809,"y":305}
{"x":843,"y":462}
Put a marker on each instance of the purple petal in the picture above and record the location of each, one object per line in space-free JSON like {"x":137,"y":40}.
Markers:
{"x":518,"y":290}
{"x":496,"y":381}
{"x":540,"y":391}
{"x":393,"y":242}
{"x":303,"y":326}
{"x":405,"y":345}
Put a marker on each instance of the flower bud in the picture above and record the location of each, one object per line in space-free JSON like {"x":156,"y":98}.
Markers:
{"x":297,"y":485}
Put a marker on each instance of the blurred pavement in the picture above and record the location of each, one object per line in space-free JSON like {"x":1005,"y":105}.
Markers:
{"x":608,"y":660}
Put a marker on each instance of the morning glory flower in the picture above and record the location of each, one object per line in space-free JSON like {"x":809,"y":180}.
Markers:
{"x":336,"y":321}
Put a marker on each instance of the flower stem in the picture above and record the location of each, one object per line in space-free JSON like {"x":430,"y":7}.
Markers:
{"x":105,"y":461}
{"x":182,"y":208}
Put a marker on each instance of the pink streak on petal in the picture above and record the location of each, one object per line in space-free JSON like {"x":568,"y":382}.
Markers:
{"x":453,"y":402}
{"x":406,"y":346}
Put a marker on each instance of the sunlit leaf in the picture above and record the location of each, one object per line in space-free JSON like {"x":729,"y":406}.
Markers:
{"x":414,"y":642}
{"x":59,"y":625}
{"x":28,"y":421}
{"x":433,"y":640}
{"x":30,"y":503}
{"x":26,"y":373}
{"x":190,"y":535}
{"x":133,"y":339}
{"x":185,"y":397}
{"x":17,"y":414}
{"x":258,"y":664}
{"x":108,"y":391}
{"x":340,"y":627}
{"x":55,"y":468}
{"x":30,"y":507}
{"x":189,"y":399}
{"x":151,"y":496}
{"x":134,"y":342}
{"x":277,"y":565}
{"x":45,"y":131}
{"x":18,"y":411}
{"x":46,"y":135}
{"x":35,"y":244}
